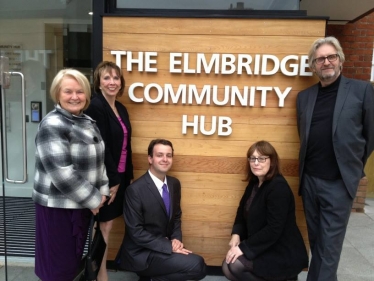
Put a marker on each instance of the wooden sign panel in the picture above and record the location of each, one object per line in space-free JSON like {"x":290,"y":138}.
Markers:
{"x":213,"y":87}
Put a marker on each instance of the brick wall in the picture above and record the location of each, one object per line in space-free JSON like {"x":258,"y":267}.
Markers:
{"x":359,"y":201}
{"x":357,"y":40}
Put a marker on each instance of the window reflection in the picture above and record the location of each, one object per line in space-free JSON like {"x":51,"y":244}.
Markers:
{"x":210,"y":4}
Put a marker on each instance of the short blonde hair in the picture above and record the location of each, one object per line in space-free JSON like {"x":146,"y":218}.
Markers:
{"x":75,"y":74}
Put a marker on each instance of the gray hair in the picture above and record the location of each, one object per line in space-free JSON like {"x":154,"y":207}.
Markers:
{"x":322,"y":41}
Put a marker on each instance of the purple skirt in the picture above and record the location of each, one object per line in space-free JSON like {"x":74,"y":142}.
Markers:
{"x":59,"y":242}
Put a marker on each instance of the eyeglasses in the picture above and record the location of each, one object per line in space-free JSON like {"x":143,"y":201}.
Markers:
{"x":330,"y":58}
{"x":261,"y":159}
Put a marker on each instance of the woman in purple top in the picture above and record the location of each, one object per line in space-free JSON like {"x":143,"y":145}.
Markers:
{"x":114,"y":124}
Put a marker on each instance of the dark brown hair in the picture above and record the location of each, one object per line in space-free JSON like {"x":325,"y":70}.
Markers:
{"x":107,"y":66}
{"x":159,"y":141}
{"x":265,"y":149}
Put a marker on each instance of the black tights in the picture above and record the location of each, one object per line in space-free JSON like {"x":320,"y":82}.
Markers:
{"x":238,"y":272}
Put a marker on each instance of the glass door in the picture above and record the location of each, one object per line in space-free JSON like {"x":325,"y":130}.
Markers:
{"x":37,"y":39}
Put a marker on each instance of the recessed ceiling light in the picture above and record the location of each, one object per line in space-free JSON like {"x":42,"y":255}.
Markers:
{"x":90,"y":13}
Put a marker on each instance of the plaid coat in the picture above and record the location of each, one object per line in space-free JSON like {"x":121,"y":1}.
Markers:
{"x":69,"y":169}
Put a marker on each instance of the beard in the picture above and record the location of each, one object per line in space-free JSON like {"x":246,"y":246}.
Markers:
{"x":329,"y":75}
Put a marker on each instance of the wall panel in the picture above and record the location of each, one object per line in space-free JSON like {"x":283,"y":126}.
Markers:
{"x":211,"y":167}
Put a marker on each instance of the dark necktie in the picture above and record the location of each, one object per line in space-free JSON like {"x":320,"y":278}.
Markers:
{"x":165,"y":197}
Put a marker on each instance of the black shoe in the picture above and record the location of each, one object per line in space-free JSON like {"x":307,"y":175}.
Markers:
{"x":294,"y":278}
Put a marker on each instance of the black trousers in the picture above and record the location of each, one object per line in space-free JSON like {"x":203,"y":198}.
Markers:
{"x":163,"y":267}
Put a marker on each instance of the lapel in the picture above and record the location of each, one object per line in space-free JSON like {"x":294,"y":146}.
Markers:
{"x":340,"y":100}
{"x":171,"y":194}
{"x":109,"y":109}
{"x":312,"y":97}
{"x":154,"y":191}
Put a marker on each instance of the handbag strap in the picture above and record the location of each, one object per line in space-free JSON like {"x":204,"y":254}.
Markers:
{"x":92,"y":223}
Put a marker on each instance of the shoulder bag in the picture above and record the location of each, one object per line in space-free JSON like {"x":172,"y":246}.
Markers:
{"x":96,"y":250}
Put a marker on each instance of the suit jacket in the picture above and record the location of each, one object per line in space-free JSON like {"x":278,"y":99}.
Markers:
{"x":148,"y":228}
{"x":112,"y":134}
{"x":352,"y":128}
{"x":269,"y":234}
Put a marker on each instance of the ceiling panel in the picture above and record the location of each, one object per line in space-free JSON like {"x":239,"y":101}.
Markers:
{"x":337,"y":10}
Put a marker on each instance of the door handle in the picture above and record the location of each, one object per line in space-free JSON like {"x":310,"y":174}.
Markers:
{"x":23,"y":129}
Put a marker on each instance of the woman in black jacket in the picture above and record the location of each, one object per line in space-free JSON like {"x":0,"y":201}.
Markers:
{"x":266,"y":243}
{"x":114,"y":124}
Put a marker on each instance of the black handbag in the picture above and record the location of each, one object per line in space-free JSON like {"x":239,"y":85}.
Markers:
{"x":96,"y":250}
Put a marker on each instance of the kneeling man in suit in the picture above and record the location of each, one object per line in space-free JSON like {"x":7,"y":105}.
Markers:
{"x":152,"y":246}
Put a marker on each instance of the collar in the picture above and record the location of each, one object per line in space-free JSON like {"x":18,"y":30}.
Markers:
{"x":158,"y":182}
{"x":333,"y":86}
{"x":70,"y":116}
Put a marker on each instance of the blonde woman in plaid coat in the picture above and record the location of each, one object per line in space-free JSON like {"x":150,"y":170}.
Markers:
{"x":70,"y":178}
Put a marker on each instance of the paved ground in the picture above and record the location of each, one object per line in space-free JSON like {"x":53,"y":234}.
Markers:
{"x":356,"y":264}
